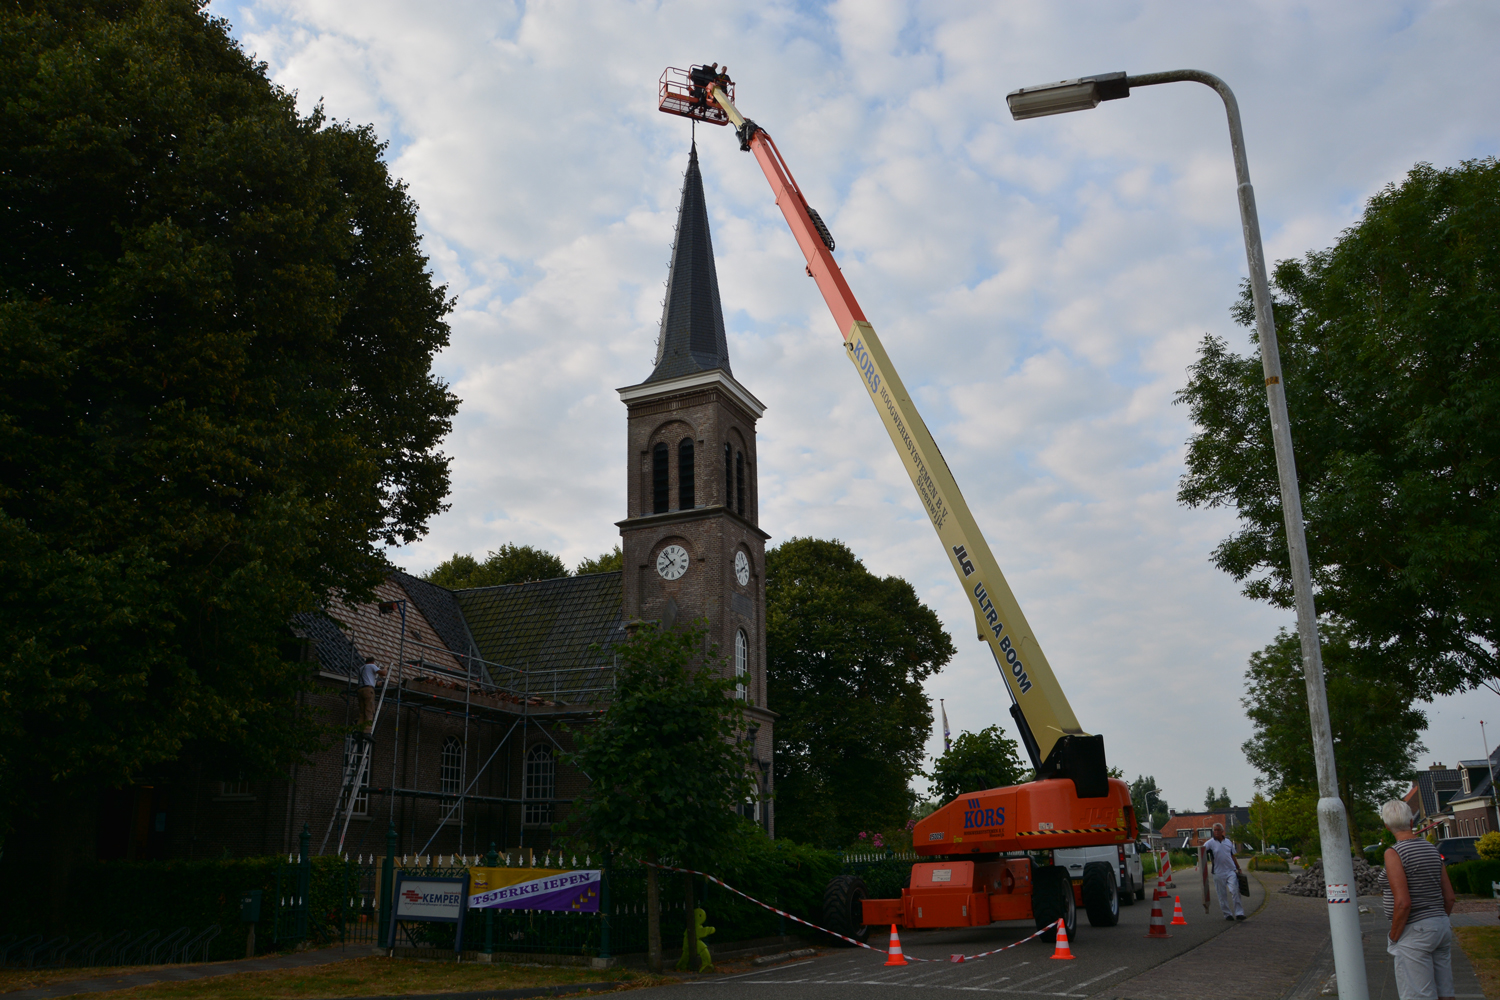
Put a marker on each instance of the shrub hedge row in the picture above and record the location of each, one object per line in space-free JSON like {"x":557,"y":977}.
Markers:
{"x":1474,"y":877}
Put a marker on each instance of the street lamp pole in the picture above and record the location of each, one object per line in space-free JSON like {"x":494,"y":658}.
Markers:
{"x":1333,"y":829}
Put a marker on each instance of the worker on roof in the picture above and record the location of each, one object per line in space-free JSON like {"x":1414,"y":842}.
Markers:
{"x":369,"y":673}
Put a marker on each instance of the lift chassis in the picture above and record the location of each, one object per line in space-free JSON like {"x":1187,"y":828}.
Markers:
{"x":1074,"y":802}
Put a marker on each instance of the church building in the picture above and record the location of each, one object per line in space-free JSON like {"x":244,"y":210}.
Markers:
{"x":470,"y":744}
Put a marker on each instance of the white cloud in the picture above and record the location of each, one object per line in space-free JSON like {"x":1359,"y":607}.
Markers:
{"x":1042,"y":285}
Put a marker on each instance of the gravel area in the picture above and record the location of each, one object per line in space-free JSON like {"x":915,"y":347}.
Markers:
{"x":1310,"y":881}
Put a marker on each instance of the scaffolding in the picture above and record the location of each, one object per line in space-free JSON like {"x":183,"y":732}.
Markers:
{"x":502,"y":691}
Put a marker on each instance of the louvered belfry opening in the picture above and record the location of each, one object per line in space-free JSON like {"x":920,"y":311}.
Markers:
{"x":692,"y":321}
{"x":685,"y":492}
{"x":660,"y":469}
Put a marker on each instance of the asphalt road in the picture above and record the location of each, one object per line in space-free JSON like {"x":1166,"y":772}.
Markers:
{"x":1103,"y":956}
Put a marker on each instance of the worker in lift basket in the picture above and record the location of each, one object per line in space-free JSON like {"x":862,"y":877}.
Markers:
{"x":1225,"y":868}
{"x":368,"y":674}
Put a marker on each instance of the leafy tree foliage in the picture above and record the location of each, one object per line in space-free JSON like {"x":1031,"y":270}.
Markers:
{"x":1154,"y":805}
{"x":607,"y":562}
{"x":1375,"y":729}
{"x":216,"y":398}
{"x":1216,"y":800}
{"x":846,"y":652}
{"x":986,"y":759}
{"x":1390,"y":342}
{"x":669,"y":760}
{"x":507,"y":564}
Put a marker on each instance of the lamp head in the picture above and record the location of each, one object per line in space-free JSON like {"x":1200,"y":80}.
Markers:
{"x":1058,"y":98}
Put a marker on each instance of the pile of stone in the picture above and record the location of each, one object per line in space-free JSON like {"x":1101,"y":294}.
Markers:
{"x":1310,"y":882}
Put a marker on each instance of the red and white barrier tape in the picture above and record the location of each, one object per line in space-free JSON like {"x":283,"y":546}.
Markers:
{"x":844,"y":937}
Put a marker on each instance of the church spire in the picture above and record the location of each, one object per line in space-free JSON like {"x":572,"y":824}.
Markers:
{"x":692,"y":322}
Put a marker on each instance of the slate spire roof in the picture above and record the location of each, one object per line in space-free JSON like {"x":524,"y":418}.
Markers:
{"x":692,"y":322}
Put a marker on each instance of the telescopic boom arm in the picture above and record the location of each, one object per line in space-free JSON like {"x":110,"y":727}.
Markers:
{"x":1057,"y":745}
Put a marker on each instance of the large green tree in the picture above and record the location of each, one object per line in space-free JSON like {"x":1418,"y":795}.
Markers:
{"x":976,"y":761}
{"x":846,"y":653}
{"x":507,"y":564}
{"x":1375,"y":729}
{"x":669,"y":761}
{"x":216,"y":398}
{"x":1390,"y":347}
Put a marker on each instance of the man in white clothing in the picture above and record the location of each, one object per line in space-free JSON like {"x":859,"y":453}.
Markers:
{"x":1225,"y":868}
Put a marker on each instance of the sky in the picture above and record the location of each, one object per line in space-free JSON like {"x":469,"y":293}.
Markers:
{"x":1041,"y":286}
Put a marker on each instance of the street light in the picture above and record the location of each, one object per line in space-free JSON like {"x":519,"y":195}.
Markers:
{"x":1086,"y":93}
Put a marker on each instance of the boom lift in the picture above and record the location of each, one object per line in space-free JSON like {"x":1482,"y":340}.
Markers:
{"x":1073,"y":802}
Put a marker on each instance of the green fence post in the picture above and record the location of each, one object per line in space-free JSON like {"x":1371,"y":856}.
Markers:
{"x":490,"y":860}
{"x":387,"y":884}
{"x":604,"y":921}
{"x":304,"y":882}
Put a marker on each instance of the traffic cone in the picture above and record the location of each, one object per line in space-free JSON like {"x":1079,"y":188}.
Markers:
{"x":1062,"y":950}
{"x":1158,"y":922}
{"x":896,"y":958}
{"x":1178,"y":920}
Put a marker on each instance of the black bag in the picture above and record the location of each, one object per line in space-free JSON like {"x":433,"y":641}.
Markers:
{"x":1244,"y":883}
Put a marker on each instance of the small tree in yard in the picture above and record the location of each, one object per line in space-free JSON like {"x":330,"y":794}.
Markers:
{"x":668,"y":761}
{"x":986,"y":759}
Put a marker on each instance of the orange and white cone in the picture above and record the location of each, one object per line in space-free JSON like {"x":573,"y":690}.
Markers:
{"x":896,"y":958}
{"x":1158,"y":922}
{"x":1062,"y":950}
{"x":1178,"y":920}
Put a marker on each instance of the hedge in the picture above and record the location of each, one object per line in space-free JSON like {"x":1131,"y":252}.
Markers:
{"x":1474,"y":877}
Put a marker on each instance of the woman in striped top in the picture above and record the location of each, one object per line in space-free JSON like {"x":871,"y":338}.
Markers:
{"x":1418,"y":899}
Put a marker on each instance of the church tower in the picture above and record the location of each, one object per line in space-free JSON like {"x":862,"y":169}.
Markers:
{"x":691,"y":537}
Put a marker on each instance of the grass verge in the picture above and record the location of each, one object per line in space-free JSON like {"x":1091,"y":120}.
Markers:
{"x":1482,"y":945}
{"x":374,"y":976}
{"x":25,"y":979}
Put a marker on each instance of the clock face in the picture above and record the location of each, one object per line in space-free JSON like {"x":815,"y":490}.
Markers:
{"x":672,"y":562}
{"x":741,"y":568}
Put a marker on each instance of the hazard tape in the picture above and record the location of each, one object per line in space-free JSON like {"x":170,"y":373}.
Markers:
{"x":1051,"y":833}
{"x":844,"y":937}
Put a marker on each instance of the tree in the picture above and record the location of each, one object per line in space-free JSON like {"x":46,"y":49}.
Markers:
{"x":507,"y":564}
{"x":1292,"y":819}
{"x":1216,"y":800}
{"x":986,"y":759}
{"x":1157,"y":809}
{"x":1390,"y":347}
{"x":216,"y":398}
{"x":607,"y":562}
{"x":846,"y":652}
{"x":668,"y":761}
{"x":1374,"y":727}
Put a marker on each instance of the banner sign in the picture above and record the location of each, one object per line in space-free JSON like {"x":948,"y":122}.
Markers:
{"x":430,"y":899}
{"x":567,"y":890}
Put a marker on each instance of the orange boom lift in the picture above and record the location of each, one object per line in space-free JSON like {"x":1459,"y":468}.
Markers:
{"x":991,"y":849}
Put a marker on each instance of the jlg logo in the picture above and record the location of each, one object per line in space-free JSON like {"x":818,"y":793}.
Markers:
{"x":962,"y":555}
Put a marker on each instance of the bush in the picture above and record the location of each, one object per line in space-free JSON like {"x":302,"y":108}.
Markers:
{"x":166,"y":895}
{"x":1488,"y":846}
{"x":1268,"y":863}
{"x":1474,"y":877}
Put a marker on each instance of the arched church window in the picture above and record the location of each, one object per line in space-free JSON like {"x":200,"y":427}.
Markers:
{"x":741,"y":663}
{"x":540,"y":783}
{"x":728,"y":476}
{"x":685,"y":495}
{"x":660,"y":488}
{"x":739,"y":481}
{"x":450,"y":768}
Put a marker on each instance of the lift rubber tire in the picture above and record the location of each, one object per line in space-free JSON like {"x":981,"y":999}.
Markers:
{"x":1140,"y":894}
{"x":1051,"y":898}
{"x":1127,"y":893}
{"x":843,"y":908}
{"x":1101,"y":895}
